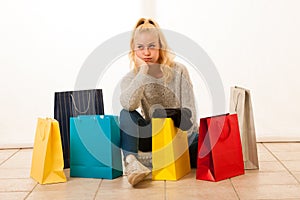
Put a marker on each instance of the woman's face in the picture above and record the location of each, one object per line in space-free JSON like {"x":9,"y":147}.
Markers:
{"x":146,"y":47}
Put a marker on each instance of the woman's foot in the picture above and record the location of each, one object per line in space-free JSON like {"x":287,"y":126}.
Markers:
{"x":145,"y":158}
{"x":135,"y":170}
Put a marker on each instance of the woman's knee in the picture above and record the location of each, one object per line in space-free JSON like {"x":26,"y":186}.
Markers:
{"x":127,"y":116}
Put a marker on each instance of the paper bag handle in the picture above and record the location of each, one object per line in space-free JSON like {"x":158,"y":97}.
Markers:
{"x":237,"y":102}
{"x":42,"y":133}
{"x":74,"y":104}
{"x":225,"y":133}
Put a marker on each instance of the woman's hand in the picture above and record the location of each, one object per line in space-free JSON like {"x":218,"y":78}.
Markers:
{"x":141,"y":64}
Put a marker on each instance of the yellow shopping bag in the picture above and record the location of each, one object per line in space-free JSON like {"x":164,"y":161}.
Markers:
{"x":47,"y":158}
{"x":170,"y":152}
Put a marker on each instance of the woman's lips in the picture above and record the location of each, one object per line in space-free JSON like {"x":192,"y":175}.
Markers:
{"x":147,"y":59}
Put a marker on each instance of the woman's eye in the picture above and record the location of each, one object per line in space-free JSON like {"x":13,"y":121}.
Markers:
{"x":140,"y":47}
{"x":152,"y":46}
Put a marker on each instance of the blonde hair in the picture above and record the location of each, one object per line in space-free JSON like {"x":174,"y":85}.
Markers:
{"x":165,"y":56}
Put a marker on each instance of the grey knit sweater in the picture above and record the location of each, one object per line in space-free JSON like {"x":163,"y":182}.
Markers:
{"x":147,"y":93}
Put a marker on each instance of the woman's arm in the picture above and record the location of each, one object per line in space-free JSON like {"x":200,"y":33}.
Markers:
{"x":188,"y":97}
{"x":132,"y":88}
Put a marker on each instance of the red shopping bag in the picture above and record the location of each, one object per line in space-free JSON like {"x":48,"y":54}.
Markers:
{"x":219,"y":148}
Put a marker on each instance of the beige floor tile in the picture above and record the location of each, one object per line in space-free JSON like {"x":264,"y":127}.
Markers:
{"x":264,"y":178}
{"x":286,"y":146}
{"x":292,"y":165}
{"x":16,"y":185}
{"x":131,"y":193}
{"x":261,"y":148}
{"x":287,"y":155}
{"x":191,"y":181}
{"x":50,"y":195}
{"x":74,"y":188}
{"x":5,"y":154}
{"x":190,"y":188}
{"x":268,"y":192}
{"x":72,"y":184}
{"x":201,"y":190}
{"x":14,"y":173}
{"x":269,"y":166}
{"x":21,"y":159}
{"x":214,"y":193}
{"x":120,"y":189}
{"x":120,"y":182}
{"x":10,"y":151}
{"x":266,"y":156}
{"x":13,"y":195}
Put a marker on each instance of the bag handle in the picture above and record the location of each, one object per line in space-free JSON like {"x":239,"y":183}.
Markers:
{"x":223,"y":128}
{"x":74,"y":104}
{"x":42,"y":132}
{"x":45,"y":127}
{"x":237,"y":102}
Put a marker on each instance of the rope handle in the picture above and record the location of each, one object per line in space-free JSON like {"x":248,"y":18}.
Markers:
{"x":74,"y":104}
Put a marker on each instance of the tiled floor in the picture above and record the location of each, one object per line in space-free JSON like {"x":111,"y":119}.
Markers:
{"x":277,"y":178}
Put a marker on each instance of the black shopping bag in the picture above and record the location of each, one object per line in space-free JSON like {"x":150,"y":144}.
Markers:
{"x":71,"y":104}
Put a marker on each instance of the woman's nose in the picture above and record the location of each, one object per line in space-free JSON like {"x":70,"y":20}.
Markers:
{"x":146,"y":51}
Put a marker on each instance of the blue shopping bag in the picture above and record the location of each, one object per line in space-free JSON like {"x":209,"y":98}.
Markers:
{"x":95,"y":147}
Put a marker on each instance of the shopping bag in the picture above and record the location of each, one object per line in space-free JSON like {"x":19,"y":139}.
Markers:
{"x":47,"y":157}
{"x":170,"y":153}
{"x":219,"y":148}
{"x":180,"y":116}
{"x":240,"y":103}
{"x":95,"y":147}
{"x":71,"y":104}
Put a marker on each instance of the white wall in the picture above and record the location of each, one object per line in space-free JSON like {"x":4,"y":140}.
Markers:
{"x":253,"y":43}
{"x":43,"y":44}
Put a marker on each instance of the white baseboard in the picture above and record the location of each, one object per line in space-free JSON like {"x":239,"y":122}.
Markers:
{"x":278,"y":139}
{"x":16,"y":145}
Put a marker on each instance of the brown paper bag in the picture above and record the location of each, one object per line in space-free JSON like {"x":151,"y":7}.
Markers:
{"x":240,"y":103}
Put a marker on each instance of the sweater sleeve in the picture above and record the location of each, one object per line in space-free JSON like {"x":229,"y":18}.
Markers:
{"x":132,"y":88}
{"x":188,"y":98}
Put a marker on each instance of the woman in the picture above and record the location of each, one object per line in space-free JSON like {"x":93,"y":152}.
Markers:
{"x":156,"y":81}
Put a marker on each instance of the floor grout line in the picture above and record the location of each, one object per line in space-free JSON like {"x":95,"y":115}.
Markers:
{"x":234,"y":189}
{"x":30,"y":191}
{"x":165,"y":190}
{"x":281,"y":163}
{"x":10,"y":157}
{"x":98,"y":189}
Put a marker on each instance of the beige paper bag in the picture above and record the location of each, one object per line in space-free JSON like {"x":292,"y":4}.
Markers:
{"x":240,"y":103}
